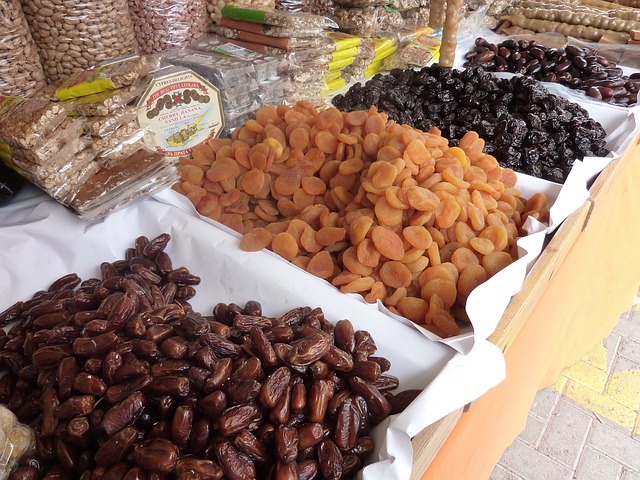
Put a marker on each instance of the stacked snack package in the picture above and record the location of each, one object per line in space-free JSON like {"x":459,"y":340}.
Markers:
{"x":46,"y":146}
{"x":21,"y":72}
{"x":297,"y":38}
{"x":246,"y":79}
{"x":163,"y":24}
{"x":414,"y":12}
{"x":369,"y":62}
{"x":366,"y":17}
{"x":85,"y":147}
{"x":417,"y":48}
{"x":214,"y":7}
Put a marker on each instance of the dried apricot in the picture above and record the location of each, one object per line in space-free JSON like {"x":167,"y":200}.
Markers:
{"x":256,"y":239}
{"x":321,"y":265}
{"x":387,"y":242}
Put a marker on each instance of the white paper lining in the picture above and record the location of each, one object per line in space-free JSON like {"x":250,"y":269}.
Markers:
{"x":40,"y":241}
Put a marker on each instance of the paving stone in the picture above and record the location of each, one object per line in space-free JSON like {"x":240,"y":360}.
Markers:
{"x":501,"y":473}
{"x":544,"y":403}
{"x":597,"y":356}
{"x":595,"y":465}
{"x":611,"y":347}
{"x":601,"y":405}
{"x":588,"y":375}
{"x":533,"y":465}
{"x":565,"y":434}
{"x":615,"y":444}
{"x":629,"y":325}
{"x":623,"y":386}
{"x":629,"y":475}
{"x":630,"y":349}
{"x":533,"y":431}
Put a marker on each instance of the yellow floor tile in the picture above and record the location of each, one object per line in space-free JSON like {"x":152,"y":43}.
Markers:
{"x":601,"y":404}
{"x":624,"y":388}
{"x":588,"y":375}
{"x":597,"y":357}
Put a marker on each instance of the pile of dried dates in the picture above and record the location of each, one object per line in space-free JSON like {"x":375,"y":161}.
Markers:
{"x":575,"y":67}
{"x":524,"y":126}
{"x":121,"y":379}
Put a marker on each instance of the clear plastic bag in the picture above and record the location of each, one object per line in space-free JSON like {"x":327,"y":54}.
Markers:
{"x":16,"y":441}
{"x":26,"y":123}
{"x":120,"y":72}
{"x":270,"y":30}
{"x":286,"y":43}
{"x":140,"y":174}
{"x":120,"y":144}
{"x":361,"y":21}
{"x":21,"y":72}
{"x":293,"y":6}
{"x":106,"y":103}
{"x":164,"y":24}
{"x":103,"y":126}
{"x":359,"y":3}
{"x":219,"y":69}
{"x":278,"y":18}
{"x":73,"y":36}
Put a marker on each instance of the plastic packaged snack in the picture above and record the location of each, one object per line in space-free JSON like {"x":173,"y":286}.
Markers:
{"x":160,"y":24}
{"x":403,"y":5}
{"x":278,"y":18}
{"x":418,"y":53}
{"x":359,"y":3}
{"x":106,"y":103}
{"x":140,"y":174}
{"x":359,"y":21}
{"x":103,"y":126}
{"x":73,"y":36}
{"x":285,"y":43}
{"x":118,"y":73}
{"x":322,"y":7}
{"x":270,"y":30}
{"x":21,"y":72}
{"x":218,"y":68}
{"x":68,"y":130}
{"x":416,"y":17}
{"x":17,"y":441}
{"x":120,"y":144}
{"x":85,"y":168}
{"x":26,"y":123}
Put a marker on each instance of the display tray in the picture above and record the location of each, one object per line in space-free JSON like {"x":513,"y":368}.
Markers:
{"x":41,"y":241}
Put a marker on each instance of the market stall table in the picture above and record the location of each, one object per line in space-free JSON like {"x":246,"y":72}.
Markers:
{"x":584,"y":280}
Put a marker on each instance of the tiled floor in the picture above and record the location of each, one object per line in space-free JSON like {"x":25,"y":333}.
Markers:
{"x":587,"y":426}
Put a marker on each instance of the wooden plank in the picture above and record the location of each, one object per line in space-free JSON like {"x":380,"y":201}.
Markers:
{"x":428,"y":442}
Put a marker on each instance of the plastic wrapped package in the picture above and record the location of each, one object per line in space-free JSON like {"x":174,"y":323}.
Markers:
{"x":219,"y":69}
{"x":164,"y":24}
{"x":324,"y":8}
{"x":26,"y":123}
{"x":84,"y":168}
{"x":359,"y":3}
{"x":73,"y":36}
{"x":293,"y":6}
{"x":103,"y":126}
{"x":60,"y":170}
{"x":360,"y":21}
{"x":21,"y":73}
{"x":120,"y":144}
{"x":106,"y":103}
{"x":68,"y":130}
{"x":270,"y":30}
{"x":17,"y":441}
{"x":403,"y":5}
{"x":416,"y":17}
{"x":285,"y":43}
{"x":278,"y":18}
{"x":117,"y":73}
{"x":141,"y":174}
{"x":418,"y":53}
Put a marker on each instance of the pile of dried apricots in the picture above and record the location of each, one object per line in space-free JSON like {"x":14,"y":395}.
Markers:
{"x":376,"y":208}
